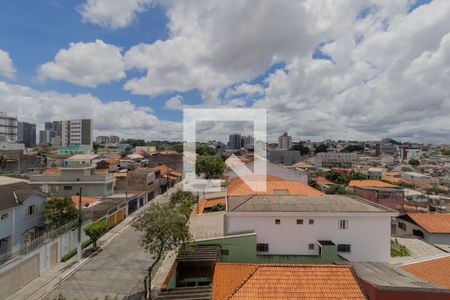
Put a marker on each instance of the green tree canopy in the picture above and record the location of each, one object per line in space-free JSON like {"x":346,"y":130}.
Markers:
{"x":321,"y":148}
{"x":180,"y":195}
{"x":335,"y":177}
{"x":205,"y":150}
{"x":163,"y":228}
{"x":354,"y":175}
{"x":353,"y":148}
{"x":95,"y":231}
{"x":414,"y":162}
{"x":59,"y":212}
{"x":135,"y":142}
{"x":337,"y":189}
{"x":209,"y":166}
{"x":304,"y":150}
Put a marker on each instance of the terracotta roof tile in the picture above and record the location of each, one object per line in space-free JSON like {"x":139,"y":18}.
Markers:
{"x":369,"y":183}
{"x":436,"y":271}
{"x":433,"y":223}
{"x":323,"y":181}
{"x":208,"y":203}
{"x":84,"y":200}
{"x":250,"y":281}
{"x":238,"y":187}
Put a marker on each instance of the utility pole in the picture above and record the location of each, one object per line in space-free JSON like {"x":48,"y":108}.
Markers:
{"x":79,"y":226}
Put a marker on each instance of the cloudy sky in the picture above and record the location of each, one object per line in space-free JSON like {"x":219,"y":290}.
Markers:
{"x":347,"y":69}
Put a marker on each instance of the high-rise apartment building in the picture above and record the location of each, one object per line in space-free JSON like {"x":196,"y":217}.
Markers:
{"x":235,"y":141}
{"x":104,"y":139}
{"x":26,"y":133}
{"x":8,"y":128}
{"x":77,"y":132}
{"x":285,"y":141}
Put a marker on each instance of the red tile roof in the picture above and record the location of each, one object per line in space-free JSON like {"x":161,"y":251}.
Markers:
{"x":237,"y":186}
{"x":432,"y":222}
{"x":322,"y":181}
{"x":251,"y":281}
{"x":369,"y":183}
{"x":208,"y":203}
{"x":85,"y":201}
{"x":436,"y":271}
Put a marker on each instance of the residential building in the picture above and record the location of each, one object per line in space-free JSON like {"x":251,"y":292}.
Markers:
{"x":78,"y":172}
{"x":285,"y":141}
{"x":5,"y":146}
{"x":140,"y":180}
{"x":8,"y":128}
{"x":104,"y":139}
{"x":433,"y":228}
{"x":416,"y":177}
{"x":235,"y":141}
{"x":392,"y":197}
{"x":21,"y":211}
{"x":75,"y":149}
{"x":405,"y":153}
{"x":370,"y":183}
{"x":388,"y":149}
{"x":77,"y":132}
{"x":26,"y":134}
{"x":375,"y":173}
{"x":249,"y":141}
{"x":435,"y":271}
{"x":260,"y":281}
{"x":52,"y":133}
{"x":335,"y":159}
{"x":285,"y":157}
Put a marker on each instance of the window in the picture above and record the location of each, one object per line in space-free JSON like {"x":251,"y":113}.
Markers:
{"x":311,"y":221}
{"x":344,"y":248}
{"x":277,"y":221}
{"x":262,"y":247}
{"x":300,"y":221}
{"x":67,"y":187}
{"x":343,"y":224}
{"x":224,"y":252}
{"x":402,"y":225}
{"x":30,"y":210}
{"x":311,"y":246}
{"x":4,"y":216}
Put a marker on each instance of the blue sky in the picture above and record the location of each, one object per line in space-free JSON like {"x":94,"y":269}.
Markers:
{"x":347,"y":70}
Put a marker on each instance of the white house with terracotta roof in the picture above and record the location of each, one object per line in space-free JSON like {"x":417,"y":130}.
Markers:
{"x":433,"y":228}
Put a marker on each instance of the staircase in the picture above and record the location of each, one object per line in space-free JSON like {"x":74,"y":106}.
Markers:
{"x":186,"y":293}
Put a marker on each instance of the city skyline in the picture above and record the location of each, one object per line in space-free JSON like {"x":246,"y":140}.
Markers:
{"x":335,"y":72}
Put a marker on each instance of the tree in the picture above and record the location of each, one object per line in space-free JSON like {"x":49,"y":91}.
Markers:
{"x":353,"y":148}
{"x":335,"y":177}
{"x":180,"y":195}
{"x":205,"y":150}
{"x":321,"y":148}
{"x":2,"y":160}
{"x":163,"y":229}
{"x":95,"y":231}
{"x":59,"y":212}
{"x":354,"y":175}
{"x":337,"y":189}
{"x":209,"y":166}
{"x":135,"y":142}
{"x":304,"y":150}
{"x":446,"y":152}
{"x":414,"y":162}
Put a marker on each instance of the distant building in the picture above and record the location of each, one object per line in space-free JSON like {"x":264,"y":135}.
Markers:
{"x":26,"y":133}
{"x":375,"y":173}
{"x":392,"y":197}
{"x":8,"y":128}
{"x":335,"y":159}
{"x":405,"y":153}
{"x":249,"y":141}
{"x":285,"y":141}
{"x":104,"y":139}
{"x":52,"y":133}
{"x":77,"y":132}
{"x":235,"y":141}
{"x":433,"y":228}
{"x":285,"y":157}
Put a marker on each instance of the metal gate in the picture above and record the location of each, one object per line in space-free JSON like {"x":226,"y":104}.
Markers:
{"x":54,"y":254}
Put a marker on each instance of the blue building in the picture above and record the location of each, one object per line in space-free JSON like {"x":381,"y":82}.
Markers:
{"x":21,"y":212}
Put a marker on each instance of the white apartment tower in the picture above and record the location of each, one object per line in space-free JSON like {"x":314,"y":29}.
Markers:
{"x":77,"y":132}
{"x":285,"y":141}
{"x":8,"y":128}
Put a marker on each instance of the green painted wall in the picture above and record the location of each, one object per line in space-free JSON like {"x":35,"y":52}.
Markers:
{"x":173,"y":281}
{"x":242,"y":249}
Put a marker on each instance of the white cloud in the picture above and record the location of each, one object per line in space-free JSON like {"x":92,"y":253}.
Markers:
{"x":85,"y":64}
{"x":112,"y":14}
{"x":175,"y":103}
{"x":6,"y":65}
{"x":114,"y":117}
{"x":245,"y":89}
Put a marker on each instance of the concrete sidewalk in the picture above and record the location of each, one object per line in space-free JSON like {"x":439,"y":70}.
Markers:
{"x":49,"y":281}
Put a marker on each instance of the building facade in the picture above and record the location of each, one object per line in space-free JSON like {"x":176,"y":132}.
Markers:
{"x":285,"y":141}
{"x":8,"y":128}
{"x":77,"y":132}
{"x":335,"y":159}
{"x":26,"y":133}
{"x":235,"y":141}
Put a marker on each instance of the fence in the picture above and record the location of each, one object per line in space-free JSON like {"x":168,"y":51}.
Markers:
{"x":37,"y":242}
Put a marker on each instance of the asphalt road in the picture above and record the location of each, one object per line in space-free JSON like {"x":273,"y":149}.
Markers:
{"x":118,"y":271}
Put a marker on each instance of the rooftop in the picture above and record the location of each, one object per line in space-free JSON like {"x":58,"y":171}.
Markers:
{"x":83,"y":157}
{"x":431,"y":222}
{"x":436,"y":271}
{"x":252,"y":281}
{"x":369,"y":183}
{"x":326,"y":203}
{"x":207,"y":226}
{"x":13,"y":194}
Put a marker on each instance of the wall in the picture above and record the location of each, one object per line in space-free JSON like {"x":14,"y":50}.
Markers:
{"x":371,"y":195}
{"x":368,"y":234}
{"x":242,"y":249}
{"x":435,"y":238}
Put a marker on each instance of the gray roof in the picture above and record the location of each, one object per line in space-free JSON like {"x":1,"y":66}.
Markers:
{"x":14,"y":194}
{"x":207,"y":225}
{"x":385,"y":275}
{"x":281,"y":203}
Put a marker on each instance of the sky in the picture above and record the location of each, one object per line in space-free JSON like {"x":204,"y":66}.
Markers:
{"x":350,"y":69}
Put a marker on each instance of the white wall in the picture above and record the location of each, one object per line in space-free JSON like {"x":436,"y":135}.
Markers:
{"x":369,"y":235}
{"x":431,"y":238}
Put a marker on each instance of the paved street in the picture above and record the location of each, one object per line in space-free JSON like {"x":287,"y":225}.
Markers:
{"x":118,"y":270}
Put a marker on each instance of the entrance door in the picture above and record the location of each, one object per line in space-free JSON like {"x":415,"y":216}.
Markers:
{"x":54,"y":254}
